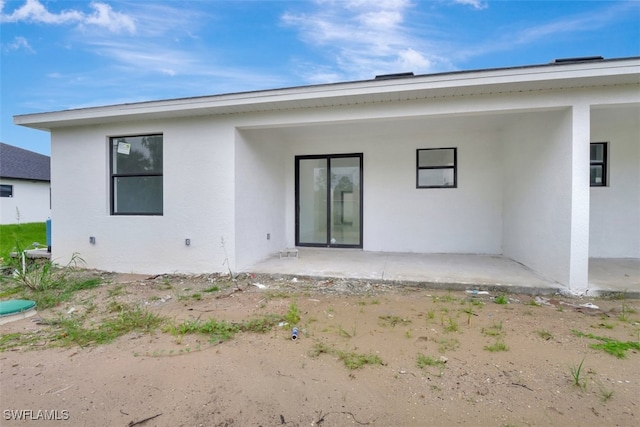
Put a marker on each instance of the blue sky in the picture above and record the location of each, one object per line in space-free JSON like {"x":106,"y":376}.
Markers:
{"x":58,"y":55}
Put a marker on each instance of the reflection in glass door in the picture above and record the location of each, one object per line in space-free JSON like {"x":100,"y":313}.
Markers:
{"x":329,"y":200}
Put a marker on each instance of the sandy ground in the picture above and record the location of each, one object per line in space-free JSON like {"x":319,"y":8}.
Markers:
{"x":271,"y":380}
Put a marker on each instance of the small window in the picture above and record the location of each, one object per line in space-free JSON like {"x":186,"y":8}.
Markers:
{"x":437,"y":168}
{"x":6,"y":190}
{"x":599,"y":164}
{"x":136,"y":175}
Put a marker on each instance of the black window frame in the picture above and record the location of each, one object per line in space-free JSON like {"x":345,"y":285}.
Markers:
{"x":454,"y":167}
{"x":113,"y":176}
{"x":601,"y":163}
{"x":6,"y":190}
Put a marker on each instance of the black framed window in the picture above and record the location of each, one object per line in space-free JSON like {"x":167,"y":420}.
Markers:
{"x":436,"y":168}
{"x":136,"y":175}
{"x":598,"y":164}
{"x":6,"y":190}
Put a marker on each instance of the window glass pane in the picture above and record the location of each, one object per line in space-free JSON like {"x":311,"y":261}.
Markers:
{"x":345,"y":201}
{"x":137,"y":195}
{"x":597,"y":152}
{"x":6,"y":190}
{"x":435,"y":178}
{"x":313,"y":201}
{"x":438,"y":157}
{"x":137,"y":154}
{"x":596,"y":175}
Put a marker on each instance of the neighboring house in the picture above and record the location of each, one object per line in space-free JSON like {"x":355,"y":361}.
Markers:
{"x":540,"y":164}
{"x":25,"y":194}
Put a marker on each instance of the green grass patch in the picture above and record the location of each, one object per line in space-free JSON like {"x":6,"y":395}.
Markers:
{"x":220,"y":330}
{"x":444,"y":298}
{"x":47,"y":284}
{"x":13,"y":340}
{"x":293,"y":315}
{"x":423,"y":361}
{"x":16,"y":237}
{"x":499,"y":345}
{"x":494,"y":330}
{"x":452,"y":325}
{"x":8,"y":291}
{"x":61,"y":292}
{"x":72,"y":331}
{"x":392,"y":321}
{"x":501,"y":299}
{"x":69,"y":332}
{"x":320,"y":348}
{"x":610,"y":345}
{"x":351,"y":360}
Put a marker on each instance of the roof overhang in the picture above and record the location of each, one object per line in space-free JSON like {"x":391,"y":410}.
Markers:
{"x":547,"y":77}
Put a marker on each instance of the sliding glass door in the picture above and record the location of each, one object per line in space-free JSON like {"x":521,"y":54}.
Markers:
{"x":329,"y":200}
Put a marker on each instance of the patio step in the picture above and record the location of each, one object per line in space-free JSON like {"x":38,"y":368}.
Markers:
{"x":289,"y":253}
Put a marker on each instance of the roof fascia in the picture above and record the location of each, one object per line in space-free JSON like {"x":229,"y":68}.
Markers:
{"x":581,"y":73}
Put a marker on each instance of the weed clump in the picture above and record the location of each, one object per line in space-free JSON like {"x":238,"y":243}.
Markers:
{"x":293,"y":315}
{"x":220,"y":330}
{"x":576,"y":375}
{"x":351,"y":360}
{"x":499,"y":345}
{"x":612,"y":346}
{"x":423,"y":361}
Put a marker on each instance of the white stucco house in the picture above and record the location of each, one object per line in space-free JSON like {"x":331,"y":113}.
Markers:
{"x":540,"y":164}
{"x":24,"y":186}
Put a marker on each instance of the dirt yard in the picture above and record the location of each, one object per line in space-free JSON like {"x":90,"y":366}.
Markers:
{"x":366,"y":354}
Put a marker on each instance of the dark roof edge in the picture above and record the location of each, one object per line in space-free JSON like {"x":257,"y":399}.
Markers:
{"x":18,"y":178}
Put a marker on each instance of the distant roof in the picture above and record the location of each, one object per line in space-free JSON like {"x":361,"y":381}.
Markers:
{"x":17,"y":163}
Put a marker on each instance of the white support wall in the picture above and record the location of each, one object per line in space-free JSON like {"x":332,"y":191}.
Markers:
{"x":260,"y":197}
{"x":580,"y":158}
{"x":198,"y":200}
{"x":615,"y":209}
{"x":537,"y":192}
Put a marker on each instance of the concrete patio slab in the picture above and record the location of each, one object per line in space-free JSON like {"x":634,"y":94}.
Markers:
{"x":447,"y":271}
{"x":615,"y":275}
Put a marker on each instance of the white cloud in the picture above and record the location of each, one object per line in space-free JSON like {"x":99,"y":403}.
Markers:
{"x":34,"y":11}
{"x":18,"y":43}
{"x":103,"y":16}
{"x":365,"y":38}
{"x":476,"y":4}
{"x":410,"y":59}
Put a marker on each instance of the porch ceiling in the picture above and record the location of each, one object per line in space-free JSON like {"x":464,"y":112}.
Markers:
{"x":463,"y":123}
{"x":394,"y":127}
